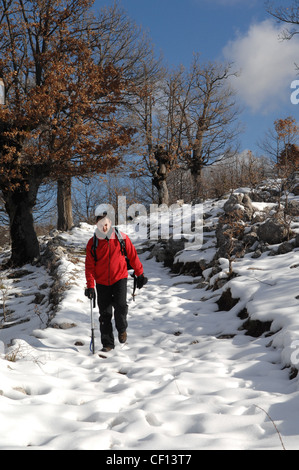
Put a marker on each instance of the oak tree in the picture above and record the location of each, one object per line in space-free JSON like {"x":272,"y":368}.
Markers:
{"x":60,"y":117}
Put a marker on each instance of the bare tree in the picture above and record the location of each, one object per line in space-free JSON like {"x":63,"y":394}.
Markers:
{"x":285,"y":14}
{"x":150,"y":144}
{"x":210,"y":115}
{"x":279,"y":141}
{"x":159,"y":123}
{"x":239,"y":170}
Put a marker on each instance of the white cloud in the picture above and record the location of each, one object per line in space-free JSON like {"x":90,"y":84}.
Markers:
{"x":266,"y":63}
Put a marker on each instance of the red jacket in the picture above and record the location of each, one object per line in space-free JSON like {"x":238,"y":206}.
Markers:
{"x":111,"y":265}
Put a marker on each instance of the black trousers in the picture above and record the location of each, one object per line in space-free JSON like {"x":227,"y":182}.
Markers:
{"x":109,"y":298}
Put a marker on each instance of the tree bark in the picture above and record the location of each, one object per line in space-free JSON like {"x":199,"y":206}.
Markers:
{"x":163,"y":193}
{"x":159,"y":181}
{"x":196,"y":168}
{"x":64,"y":204}
{"x":24,"y":242}
{"x":160,"y":176}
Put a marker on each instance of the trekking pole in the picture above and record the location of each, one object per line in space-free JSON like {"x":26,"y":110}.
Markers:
{"x":92,"y":345}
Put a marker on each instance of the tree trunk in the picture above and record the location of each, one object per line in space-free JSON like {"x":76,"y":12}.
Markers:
{"x":196,"y":186}
{"x":161,"y":184}
{"x":160,"y":175}
{"x":64,"y":204}
{"x":196,"y":167}
{"x":163,"y":193}
{"x":24,"y":242}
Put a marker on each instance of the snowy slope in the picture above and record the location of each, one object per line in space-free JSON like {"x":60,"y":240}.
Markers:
{"x":174,"y":384}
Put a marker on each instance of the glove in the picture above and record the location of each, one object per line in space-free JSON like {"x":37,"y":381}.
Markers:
{"x":141,"y":281}
{"x":90,"y":293}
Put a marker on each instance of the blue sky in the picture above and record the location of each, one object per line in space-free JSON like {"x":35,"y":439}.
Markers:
{"x":236,"y":31}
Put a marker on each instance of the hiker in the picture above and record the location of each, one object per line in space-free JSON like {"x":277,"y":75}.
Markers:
{"x":106,"y":265}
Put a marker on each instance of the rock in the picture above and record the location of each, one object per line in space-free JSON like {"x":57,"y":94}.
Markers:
{"x":256,"y":328}
{"x":250,"y":239}
{"x":256,"y":254}
{"x":191,"y":268}
{"x":38,"y":298}
{"x":296,"y":190}
{"x":226,"y":302}
{"x":63,"y":325}
{"x":233,"y":203}
{"x":285,"y":247}
{"x":239,"y":202}
{"x":292,"y":183}
{"x":273,"y":231}
{"x":165,"y":252}
{"x":292,"y":208}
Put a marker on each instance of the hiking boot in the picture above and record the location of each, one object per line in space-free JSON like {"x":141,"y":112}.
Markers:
{"x":122,"y":337}
{"x":106,"y":349}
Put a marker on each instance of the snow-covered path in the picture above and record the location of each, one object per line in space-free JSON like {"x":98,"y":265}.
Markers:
{"x":173,"y":385}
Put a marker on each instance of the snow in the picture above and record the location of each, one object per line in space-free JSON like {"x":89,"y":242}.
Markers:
{"x":188,"y":378}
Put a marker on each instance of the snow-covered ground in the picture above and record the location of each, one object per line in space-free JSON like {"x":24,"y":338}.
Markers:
{"x":174,"y":384}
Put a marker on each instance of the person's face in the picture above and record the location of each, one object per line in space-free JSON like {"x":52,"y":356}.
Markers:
{"x":104,"y":224}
